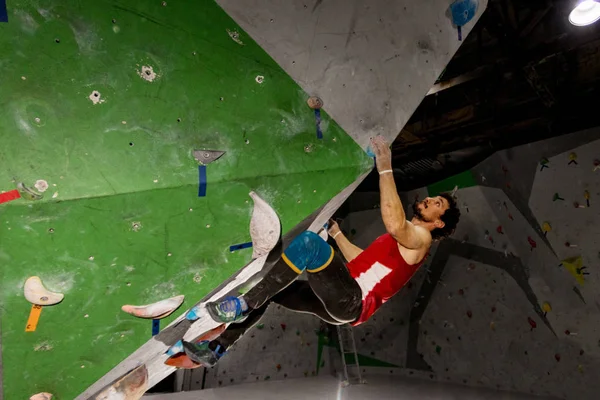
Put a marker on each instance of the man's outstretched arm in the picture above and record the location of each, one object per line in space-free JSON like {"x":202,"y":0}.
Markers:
{"x":349,"y":250}
{"x":392,"y":211}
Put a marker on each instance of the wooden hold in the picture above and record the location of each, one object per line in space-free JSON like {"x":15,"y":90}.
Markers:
{"x":131,"y":386}
{"x":158,"y":310}
{"x":315,"y":103}
{"x":36,"y":293}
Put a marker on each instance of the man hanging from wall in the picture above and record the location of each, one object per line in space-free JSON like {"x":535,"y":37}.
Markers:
{"x":339,"y":292}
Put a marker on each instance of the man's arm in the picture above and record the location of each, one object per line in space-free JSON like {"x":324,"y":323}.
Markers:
{"x":392,"y":211}
{"x":349,"y":250}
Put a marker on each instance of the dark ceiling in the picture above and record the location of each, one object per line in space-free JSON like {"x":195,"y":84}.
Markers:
{"x":523,"y":74}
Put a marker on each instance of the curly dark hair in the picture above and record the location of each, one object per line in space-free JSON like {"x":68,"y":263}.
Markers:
{"x":450,"y":219}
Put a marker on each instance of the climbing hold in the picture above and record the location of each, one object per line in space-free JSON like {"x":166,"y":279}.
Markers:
{"x":259,"y":79}
{"x":283,"y":326}
{"x":510,"y":217}
{"x":557,"y":357}
{"x":532,"y":323}
{"x":546,"y":227}
{"x":596,"y":165}
{"x":581,"y":352}
{"x":544,"y":163}
{"x":297,"y":332}
{"x":42,"y":396}
{"x":493,"y":309}
{"x":36,"y":293}
{"x":205,"y":157}
{"x":158,"y":310}
{"x":438,"y":349}
{"x":568,"y":244}
{"x":260,"y":326}
{"x":265,"y":227}
{"x":471,"y":267}
{"x":556,"y":197}
{"x":461,"y":292}
{"x":577,"y":205}
{"x":532,"y":243}
{"x":278,"y":367}
{"x":28,"y":193}
{"x":580,"y":368}
{"x":572,"y":158}
{"x":267,"y":378}
{"x":469,"y":314}
{"x":567,"y":332}
{"x":575,"y":267}
{"x":546,"y":308}
{"x":586,"y":196}
{"x":499,"y":230}
{"x":493,"y":325}
{"x":315,"y":103}
{"x":41,"y":185}
{"x":131,"y":386}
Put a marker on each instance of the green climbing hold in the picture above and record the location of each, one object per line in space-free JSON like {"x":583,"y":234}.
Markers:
{"x":260,"y":326}
{"x":438,"y":349}
{"x":298,"y":332}
{"x":267,"y":378}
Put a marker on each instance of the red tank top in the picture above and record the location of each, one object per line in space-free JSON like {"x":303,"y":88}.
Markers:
{"x":381,"y":272}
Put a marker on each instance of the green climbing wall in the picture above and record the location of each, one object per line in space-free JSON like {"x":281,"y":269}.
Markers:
{"x":121,"y":221}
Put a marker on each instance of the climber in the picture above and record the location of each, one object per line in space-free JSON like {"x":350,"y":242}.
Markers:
{"x":335,"y":291}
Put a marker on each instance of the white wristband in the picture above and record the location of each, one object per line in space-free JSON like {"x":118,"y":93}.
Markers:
{"x":334,"y":236}
{"x":387,"y":171}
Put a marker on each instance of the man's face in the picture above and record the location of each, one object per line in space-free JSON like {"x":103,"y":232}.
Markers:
{"x":431,"y":209}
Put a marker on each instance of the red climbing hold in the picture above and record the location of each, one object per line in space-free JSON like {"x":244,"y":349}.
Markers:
{"x":499,"y":230}
{"x":493,"y":309}
{"x":278,"y":367}
{"x":461,"y":292}
{"x":283,"y":326}
{"x":504,"y":169}
{"x":557,"y":357}
{"x":510,"y":217}
{"x":531,"y":323}
{"x":581,"y":352}
{"x":532,"y":242}
{"x":469,"y":314}
{"x":567,"y":332}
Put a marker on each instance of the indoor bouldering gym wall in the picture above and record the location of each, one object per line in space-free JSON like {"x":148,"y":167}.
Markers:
{"x":132,"y":135}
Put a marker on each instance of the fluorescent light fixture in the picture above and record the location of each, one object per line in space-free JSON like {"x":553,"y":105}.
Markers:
{"x":586,"y":12}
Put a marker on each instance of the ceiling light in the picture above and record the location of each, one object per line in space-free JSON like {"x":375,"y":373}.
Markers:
{"x":586,"y":12}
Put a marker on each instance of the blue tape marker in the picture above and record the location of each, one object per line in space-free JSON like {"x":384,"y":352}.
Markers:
{"x":318,"y":120}
{"x":3,"y":13}
{"x":155,"y":326}
{"x":240,"y":246}
{"x":202,"y":181}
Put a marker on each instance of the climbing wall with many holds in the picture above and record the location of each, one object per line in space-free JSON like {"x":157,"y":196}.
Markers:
{"x":509,"y":301}
{"x":132,"y":134}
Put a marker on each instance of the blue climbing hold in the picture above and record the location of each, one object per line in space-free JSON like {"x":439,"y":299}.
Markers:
{"x":463,"y":11}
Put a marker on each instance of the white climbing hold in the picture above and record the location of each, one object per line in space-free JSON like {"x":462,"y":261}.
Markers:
{"x":265,"y":227}
{"x":42,"y":396}
{"x":55,"y":195}
{"x":259,"y":79}
{"x":36,"y":293}
{"x":147,"y":73}
{"x":96,"y":97}
{"x":41,"y":185}
{"x":160,"y":309}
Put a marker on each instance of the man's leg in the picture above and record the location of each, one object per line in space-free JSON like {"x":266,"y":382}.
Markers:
{"x":306,"y":252}
{"x":338,"y":291}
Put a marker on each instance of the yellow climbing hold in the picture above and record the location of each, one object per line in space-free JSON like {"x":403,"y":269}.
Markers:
{"x":546,"y":227}
{"x":546,"y":307}
{"x":575,"y":266}
{"x":573,"y":156}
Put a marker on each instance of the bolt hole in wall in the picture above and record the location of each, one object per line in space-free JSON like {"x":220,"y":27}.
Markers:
{"x":131,"y":144}
{"x":57,"y":40}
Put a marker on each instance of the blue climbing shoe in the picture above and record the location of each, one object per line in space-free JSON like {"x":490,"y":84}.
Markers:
{"x":231,"y":309}
{"x":201,"y":352}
